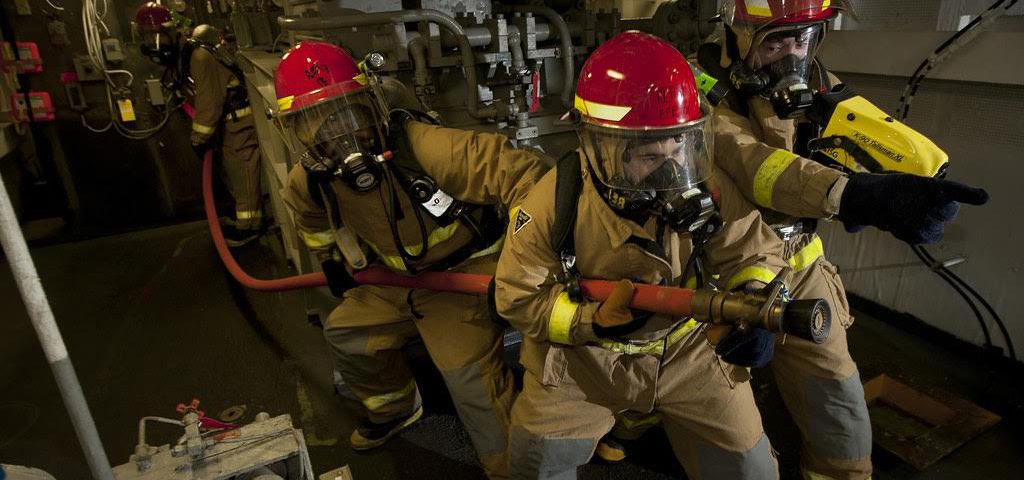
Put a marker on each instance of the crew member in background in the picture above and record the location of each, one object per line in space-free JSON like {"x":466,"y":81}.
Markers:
{"x":648,"y":211}
{"x":383,"y":185}
{"x":223,"y":118}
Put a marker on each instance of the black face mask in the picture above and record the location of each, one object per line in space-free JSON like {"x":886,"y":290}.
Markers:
{"x":360,"y":170}
{"x":789,"y":93}
{"x":166,"y":54}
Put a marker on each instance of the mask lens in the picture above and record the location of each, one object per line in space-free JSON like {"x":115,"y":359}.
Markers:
{"x":650,"y":160}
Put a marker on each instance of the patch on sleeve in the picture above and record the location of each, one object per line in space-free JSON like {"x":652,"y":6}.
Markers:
{"x":522,"y":218}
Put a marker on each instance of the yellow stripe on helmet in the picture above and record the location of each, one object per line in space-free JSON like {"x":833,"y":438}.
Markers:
{"x":285,"y":103}
{"x":758,"y":8}
{"x":601,"y":111}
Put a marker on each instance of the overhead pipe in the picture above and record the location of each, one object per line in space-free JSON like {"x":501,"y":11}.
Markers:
{"x":421,"y":74}
{"x":482,"y":37}
{"x":496,"y":109}
{"x":568,"y":61}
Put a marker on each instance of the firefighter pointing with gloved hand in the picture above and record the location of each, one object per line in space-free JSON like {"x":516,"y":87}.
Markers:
{"x":767,"y":58}
{"x":637,"y":203}
{"x":388,"y":187}
{"x":223,"y":115}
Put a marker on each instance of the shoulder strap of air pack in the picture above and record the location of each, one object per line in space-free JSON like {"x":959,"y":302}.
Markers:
{"x":568,"y":185}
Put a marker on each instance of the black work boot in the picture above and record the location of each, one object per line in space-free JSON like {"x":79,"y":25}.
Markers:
{"x":371,"y":435}
{"x":236,"y":237}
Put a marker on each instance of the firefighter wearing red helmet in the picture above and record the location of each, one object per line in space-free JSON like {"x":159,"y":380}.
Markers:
{"x":649,"y":209}
{"x":381,"y":184}
{"x":768,"y":57}
{"x":160,"y":38}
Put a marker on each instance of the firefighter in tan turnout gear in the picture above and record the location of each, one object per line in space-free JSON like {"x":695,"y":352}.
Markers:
{"x":648,"y":211}
{"x":392,"y":189}
{"x":223,"y":114}
{"x":768,"y":52}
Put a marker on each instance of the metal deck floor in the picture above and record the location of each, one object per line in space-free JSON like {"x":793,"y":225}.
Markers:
{"x":151,"y":319}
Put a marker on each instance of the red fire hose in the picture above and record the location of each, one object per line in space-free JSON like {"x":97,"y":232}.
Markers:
{"x":667,"y":300}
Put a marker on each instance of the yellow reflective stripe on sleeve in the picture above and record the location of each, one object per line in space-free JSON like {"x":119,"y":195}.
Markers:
{"x":318,"y":239}
{"x":494,"y":248}
{"x":654,"y":347}
{"x":560,"y":320}
{"x":248,"y":214}
{"x":437,"y":236}
{"x":750,"y":274}
{"x":807,"y":255}
{"x":377,"y":401}
{"x":768,"y":173}
{"x":243,"y":112}
{"x":200,"y":128}
{"x":648,"y":421}
{"x":602,"y":111}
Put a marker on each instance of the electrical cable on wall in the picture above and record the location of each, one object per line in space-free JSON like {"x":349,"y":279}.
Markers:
{"x":959,"y":39}
{"x":95,"y":29}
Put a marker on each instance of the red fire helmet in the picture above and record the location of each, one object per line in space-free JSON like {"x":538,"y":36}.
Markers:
{"x":637,"y":81}
{"x":644,"y":127}
{"x":153,"y":17}
{"x":313,"y":72}
{"x":780,"y":12}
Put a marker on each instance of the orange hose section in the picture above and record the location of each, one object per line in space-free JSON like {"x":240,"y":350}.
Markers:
{"x":278,"y":285}
{"x":667,"y":300}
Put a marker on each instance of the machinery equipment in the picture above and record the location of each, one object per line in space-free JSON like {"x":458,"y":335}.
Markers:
{"x":269,"y":448}
{"x":501,"y":66}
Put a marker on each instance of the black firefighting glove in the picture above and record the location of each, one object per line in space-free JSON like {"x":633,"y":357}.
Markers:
{"x":338,"y":278}
{"x":753,"y":349}
{"x":913,"y":208}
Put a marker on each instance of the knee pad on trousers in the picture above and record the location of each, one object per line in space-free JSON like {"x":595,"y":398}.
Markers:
{"x":478,"y":409}
{"x":533,"y":457}
{"x":758,"y":463}
{"x":837,"y":418}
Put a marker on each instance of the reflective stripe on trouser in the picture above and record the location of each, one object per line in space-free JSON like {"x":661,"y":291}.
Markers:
{"x":707,"y":407}
{"x":241,"y":157}
{"x":462,"y":341}
{"x":820,"y":384}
